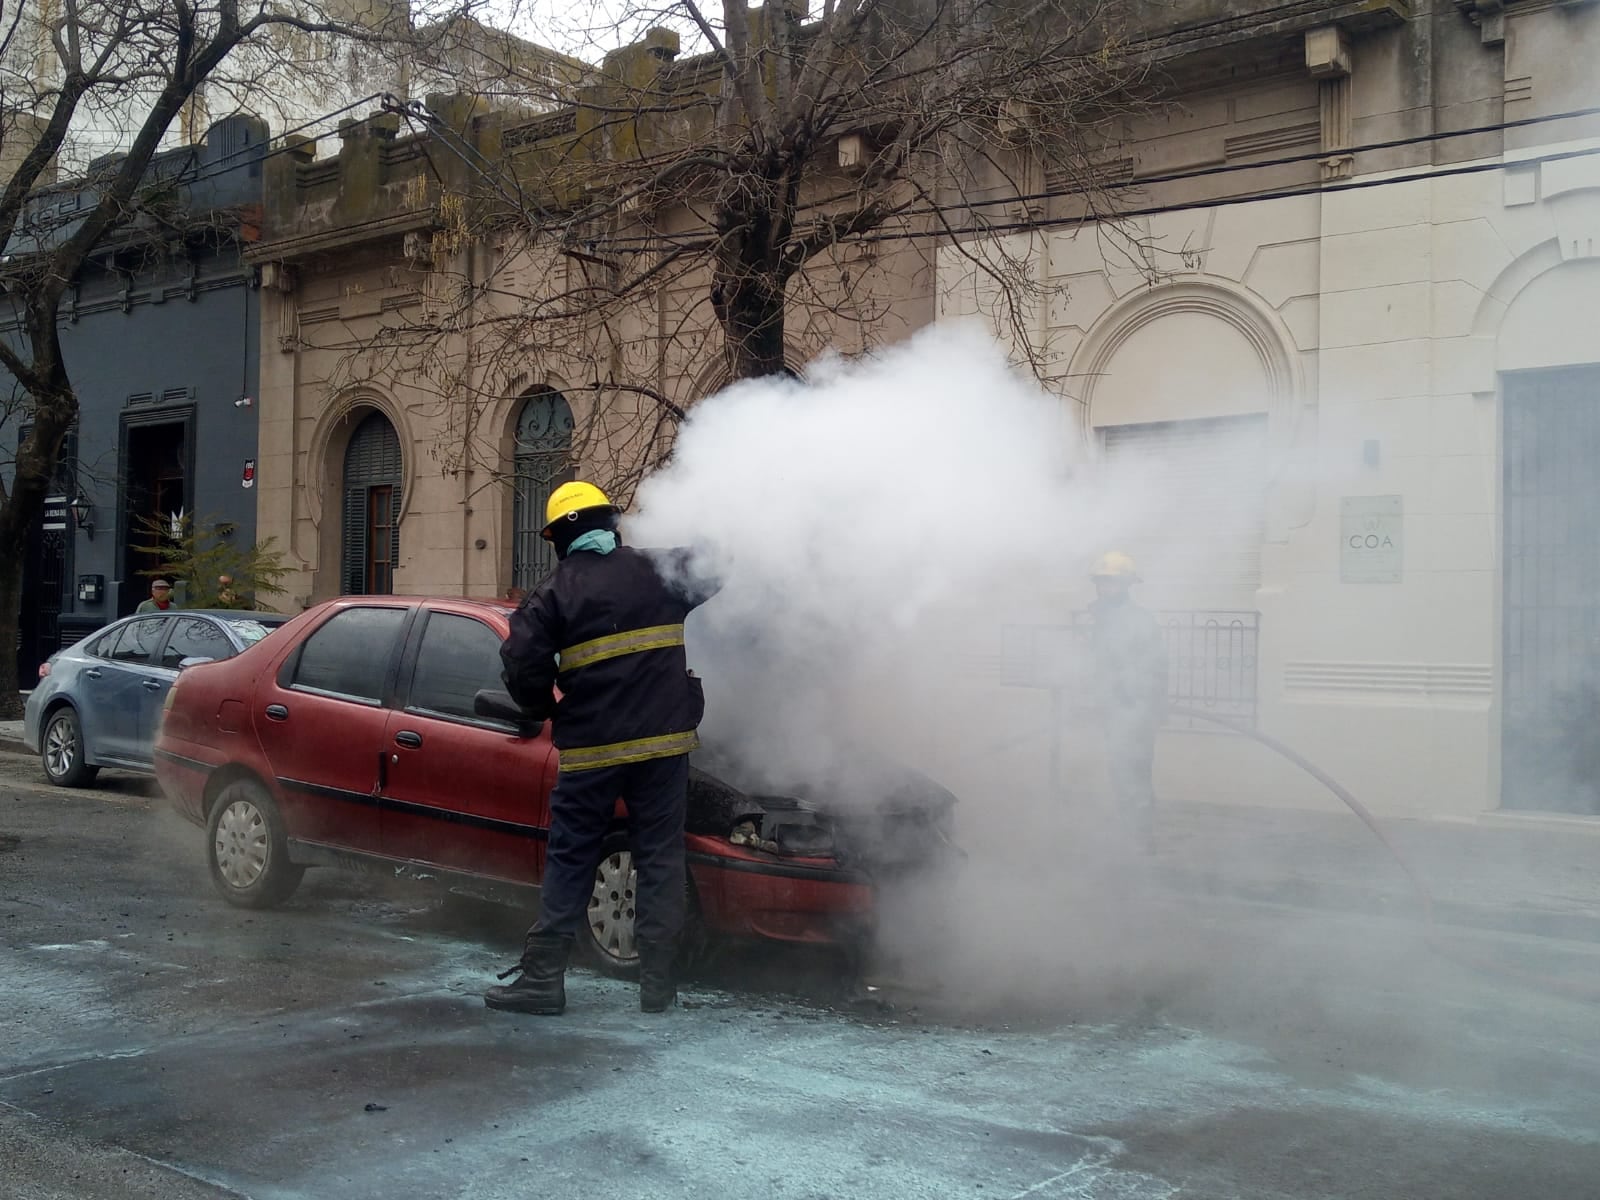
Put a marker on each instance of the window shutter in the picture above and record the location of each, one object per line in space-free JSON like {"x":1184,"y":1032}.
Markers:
{"x":354,"y":567}
{"x":372,"y":459}
{"x":1201,"y":545}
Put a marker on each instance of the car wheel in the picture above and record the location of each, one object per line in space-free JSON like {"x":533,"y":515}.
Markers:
{"x":607,"y":932}
{"x":246,"y":848}
{"x":606,"y":937}
{"x":61,"y":750}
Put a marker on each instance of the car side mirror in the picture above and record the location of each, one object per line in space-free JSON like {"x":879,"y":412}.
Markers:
{"x":499,"y":706}
{"x":185,"y":664}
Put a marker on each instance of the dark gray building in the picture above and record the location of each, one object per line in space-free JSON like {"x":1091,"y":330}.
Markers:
{"x":160,"y":335}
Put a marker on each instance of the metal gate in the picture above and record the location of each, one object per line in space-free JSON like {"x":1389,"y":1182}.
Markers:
{"x":542,"y":464}
{"x":1550,"y":750}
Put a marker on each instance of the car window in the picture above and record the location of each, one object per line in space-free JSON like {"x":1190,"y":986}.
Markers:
{"x":194,"y":637}
{"x":458,"y":656}
{"x":135,"y":641}
{"x":251,"y":630}
{"x":349,"y":654}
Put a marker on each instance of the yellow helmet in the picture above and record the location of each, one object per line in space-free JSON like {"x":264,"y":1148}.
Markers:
{"x":571,"y":498}
{"x":1115,"y":565}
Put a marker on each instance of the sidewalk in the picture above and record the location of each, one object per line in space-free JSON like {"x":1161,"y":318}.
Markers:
{"x":11,"y":738}
{"x":1509,"y":873}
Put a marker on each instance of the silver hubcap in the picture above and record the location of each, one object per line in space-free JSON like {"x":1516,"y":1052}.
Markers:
{"x":242,"y":845}
{"x":60,"y":747}
{"x":611,"y":906}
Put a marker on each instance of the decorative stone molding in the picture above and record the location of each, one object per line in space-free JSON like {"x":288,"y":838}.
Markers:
{"x":1242,"y":310}
{"x":1328,"y":61}
{"x":1360,"y":680}
{"x":1489,"y":16}
{"x":324,"y":461}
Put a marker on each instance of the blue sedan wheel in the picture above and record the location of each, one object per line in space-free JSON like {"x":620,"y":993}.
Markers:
{"x":62,"y":752}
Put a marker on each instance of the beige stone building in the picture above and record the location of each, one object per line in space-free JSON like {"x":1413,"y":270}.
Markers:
{"x":1375,"y":398}
{"x":416,"y":405}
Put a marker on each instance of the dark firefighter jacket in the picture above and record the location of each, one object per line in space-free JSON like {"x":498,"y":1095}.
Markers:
{"x":615,"y":623}
{"x":1130,"y":658}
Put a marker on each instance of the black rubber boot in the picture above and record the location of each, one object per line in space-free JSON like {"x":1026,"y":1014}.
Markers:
{"x":542,"y":989}
{"x":658,"y":975}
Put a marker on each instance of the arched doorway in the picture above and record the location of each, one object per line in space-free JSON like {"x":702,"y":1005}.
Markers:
{"x":372,"y":483}
{"x":541,"y":463}
{"x":1179,"y":391}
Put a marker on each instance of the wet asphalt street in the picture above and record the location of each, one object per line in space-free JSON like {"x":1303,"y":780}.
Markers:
{"x":155,"y":1042}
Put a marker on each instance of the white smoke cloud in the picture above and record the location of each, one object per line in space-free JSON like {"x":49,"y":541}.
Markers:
{"x":880,"y":523}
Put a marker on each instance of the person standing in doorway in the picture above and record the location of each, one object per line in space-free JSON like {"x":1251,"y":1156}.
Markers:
{"x":1130,"y":666}
{"x":607,"y":628}
{"x":160,"y":598}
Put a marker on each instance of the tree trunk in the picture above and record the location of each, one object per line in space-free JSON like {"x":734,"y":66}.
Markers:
{"x":749,"y":302}
{"x":753,"y":218}
{"x":54,"y":413}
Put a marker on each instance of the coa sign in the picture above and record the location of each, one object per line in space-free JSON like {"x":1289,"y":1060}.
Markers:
{"x":1371,"y":541}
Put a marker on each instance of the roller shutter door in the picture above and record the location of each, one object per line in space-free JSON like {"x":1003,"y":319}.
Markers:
{"x":1201,"y":546}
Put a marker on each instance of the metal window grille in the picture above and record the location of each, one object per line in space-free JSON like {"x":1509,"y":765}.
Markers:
{"x":372,"y":483}
{"x":1212,"y":658}
{"x":542,"y":463}
{"x":1212,"y":661}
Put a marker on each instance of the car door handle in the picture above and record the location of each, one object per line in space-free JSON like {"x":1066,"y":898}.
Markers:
{"x":150,"y":685}
{"x":92,"y":673}
{"x":411,"y":741}
{"x":277,"y":712}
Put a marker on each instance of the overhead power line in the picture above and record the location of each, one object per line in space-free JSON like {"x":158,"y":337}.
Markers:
{"x":1193,"y":173}
{"x":1315,"y":189}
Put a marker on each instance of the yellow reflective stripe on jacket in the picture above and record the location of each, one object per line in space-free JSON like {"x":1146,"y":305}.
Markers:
{"x":615,"y":645}
{"x":590,"y":758}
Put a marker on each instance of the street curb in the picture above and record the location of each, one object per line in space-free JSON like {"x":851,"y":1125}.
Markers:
{"x":13,"y":746}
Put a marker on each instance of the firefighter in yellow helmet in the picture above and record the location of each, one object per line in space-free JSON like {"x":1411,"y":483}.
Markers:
{"x":606,"y":627}
{"x":1130,"y":663}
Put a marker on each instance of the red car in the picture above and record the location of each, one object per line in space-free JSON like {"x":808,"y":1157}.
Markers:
{"x":375,"y":732}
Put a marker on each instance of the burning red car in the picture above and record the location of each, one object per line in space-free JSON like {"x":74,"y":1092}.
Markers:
{"x":373,"y":732}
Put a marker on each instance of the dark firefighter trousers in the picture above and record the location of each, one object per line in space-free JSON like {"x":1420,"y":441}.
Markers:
{"x":1131,"y":756}
{"x":656,"y":793}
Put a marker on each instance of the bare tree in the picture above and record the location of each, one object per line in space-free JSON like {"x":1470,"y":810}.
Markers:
{"x":723,"y":215}
{"x":126,"y":70}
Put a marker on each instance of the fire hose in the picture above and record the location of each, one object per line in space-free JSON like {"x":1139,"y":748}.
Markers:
{"x":1432,"y":933}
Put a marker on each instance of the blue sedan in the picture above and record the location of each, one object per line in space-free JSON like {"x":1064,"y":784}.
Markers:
{"x":98,"y":702}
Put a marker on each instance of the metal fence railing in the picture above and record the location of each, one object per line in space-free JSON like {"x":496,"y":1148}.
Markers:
{"x":1212,"y":661}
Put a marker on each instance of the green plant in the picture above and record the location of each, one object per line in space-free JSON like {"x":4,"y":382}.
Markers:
{"x":218,"y":573}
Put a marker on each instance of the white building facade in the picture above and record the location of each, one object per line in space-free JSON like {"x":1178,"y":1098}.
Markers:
{"x":1374,"y":400}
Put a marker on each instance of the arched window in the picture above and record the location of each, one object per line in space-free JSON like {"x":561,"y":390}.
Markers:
{"x":542,"y":463}
{"x":372,"y":483}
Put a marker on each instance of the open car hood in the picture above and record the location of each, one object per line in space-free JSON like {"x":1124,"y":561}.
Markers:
{"x":882,"y":817}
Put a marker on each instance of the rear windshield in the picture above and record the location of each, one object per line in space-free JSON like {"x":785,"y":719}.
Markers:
{"x":252,"y":629}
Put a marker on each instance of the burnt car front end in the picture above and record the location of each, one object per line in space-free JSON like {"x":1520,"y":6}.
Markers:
{"x":809,"y":863}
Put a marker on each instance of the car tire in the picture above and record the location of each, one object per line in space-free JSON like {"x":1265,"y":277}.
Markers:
{"x":605,"y":936}
{"x":61,"y":750}
{"x":246,"y":848}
